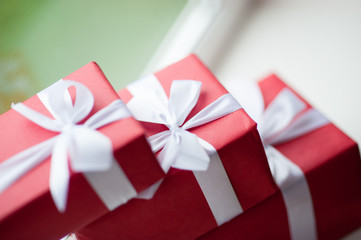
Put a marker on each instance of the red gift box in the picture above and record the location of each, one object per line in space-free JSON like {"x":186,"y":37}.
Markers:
{"x":27,"y":209}
{"x":328,"y":206}
{"x":181,"y":207}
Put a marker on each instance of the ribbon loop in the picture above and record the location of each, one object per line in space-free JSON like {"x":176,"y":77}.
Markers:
{"x":88,"y":149}
{"x":38,"y":118}
{"x":279,"y":114}
{"x":64,"y":110}
{"x":149,"y":102}
{"x":308,"y":121}
{"x":184,"y":96}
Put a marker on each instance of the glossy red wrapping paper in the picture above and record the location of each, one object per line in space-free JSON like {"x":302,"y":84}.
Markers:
{"x":179,"y":210}
{"x":331,"y":163}
{"x":27,"y":210}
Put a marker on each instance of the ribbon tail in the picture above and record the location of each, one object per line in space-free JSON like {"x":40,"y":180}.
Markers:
{"x":169,"y":153}
{"x":90,"y":150}
{"x":159,"y":140}
{"x":59,"y":173}
{"x":16,"y":166}
{"x":192,"y":155}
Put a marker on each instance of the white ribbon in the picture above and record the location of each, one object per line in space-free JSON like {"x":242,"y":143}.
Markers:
{"x":89,"y":150}
{"x":182,"y":149}
{"x":284,"y":119}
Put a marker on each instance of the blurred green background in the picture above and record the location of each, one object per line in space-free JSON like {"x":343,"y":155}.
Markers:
{"x":42,"y":41}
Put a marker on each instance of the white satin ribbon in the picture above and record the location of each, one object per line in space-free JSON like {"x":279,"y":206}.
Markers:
{"x":284,"y":119}
{"x":182,"y":149}
{"x":89,"y":151}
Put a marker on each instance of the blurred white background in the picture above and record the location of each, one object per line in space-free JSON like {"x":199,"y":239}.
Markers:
{"x":315,"y":46}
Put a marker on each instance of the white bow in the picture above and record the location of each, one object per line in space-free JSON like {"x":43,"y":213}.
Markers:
{"x":88,"y":149}
{"x":181,"y":148}
{"x":284,"y":119}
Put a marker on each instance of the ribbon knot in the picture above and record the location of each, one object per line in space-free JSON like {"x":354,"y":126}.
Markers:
{"x":173,"y":128}
{"x":179,"y":148}
{"x":87,"y":149}
{"x":68,"y":127}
